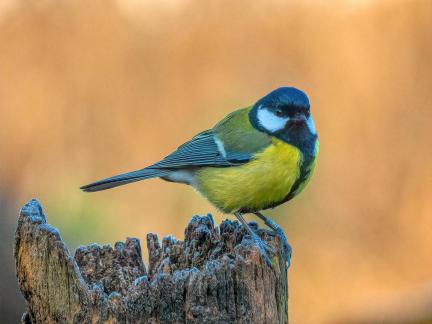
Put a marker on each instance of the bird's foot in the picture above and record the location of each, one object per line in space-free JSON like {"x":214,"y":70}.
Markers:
{"x":264,"y":249}
{"x":286,"y":247}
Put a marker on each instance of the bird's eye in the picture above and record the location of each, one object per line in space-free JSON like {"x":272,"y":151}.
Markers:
{"x":307,"y":114}
{"x":279,"y":112}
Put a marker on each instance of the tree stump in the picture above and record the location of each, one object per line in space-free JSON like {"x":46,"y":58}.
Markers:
{"x":214,"y":276}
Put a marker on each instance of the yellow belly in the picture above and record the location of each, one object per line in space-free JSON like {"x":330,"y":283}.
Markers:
{"x":265,"y":180}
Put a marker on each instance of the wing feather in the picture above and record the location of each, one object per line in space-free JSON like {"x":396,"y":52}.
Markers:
{"x":233,"y":141}
{"x":201,"y":150}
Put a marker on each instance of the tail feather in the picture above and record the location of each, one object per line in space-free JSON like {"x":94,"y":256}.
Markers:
{"x":124,"y":178}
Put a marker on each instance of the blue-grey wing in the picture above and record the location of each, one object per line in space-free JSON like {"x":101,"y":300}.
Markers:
{"x":201,"y":150}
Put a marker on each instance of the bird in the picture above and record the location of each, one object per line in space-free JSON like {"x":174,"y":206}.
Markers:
{"x":255,"y":158}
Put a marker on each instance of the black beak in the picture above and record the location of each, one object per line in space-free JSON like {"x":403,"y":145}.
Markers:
{"x":298,"y":119}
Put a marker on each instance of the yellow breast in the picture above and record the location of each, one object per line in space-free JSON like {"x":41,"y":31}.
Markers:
{"x":265,"y":180}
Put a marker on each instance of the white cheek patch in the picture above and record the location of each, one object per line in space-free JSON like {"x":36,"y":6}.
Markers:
{"x":270,"y":121}
{"x":311,"y":125}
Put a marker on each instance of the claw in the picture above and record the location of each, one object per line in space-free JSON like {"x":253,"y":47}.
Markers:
{"x":286,"y":247}
{"x":262,"y":247}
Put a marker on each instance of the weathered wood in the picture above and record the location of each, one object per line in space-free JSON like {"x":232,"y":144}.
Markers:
{"x":214,"y":276}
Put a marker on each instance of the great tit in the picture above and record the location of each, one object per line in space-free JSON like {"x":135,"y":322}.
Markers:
{"x":253,"y":159}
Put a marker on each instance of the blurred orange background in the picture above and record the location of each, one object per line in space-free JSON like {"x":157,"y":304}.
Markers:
{"x":89,"y":89}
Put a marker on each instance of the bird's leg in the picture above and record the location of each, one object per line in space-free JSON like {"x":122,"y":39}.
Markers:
{"x":286,"y":247}
{"x":263,"y":248}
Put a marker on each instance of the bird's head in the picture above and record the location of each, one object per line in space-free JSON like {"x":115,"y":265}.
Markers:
{"x":285,"y":114}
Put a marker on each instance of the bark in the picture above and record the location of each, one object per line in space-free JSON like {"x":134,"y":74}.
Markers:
{"x":214,"y":276}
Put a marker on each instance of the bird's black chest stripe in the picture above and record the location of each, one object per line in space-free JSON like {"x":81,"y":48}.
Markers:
{"x":305,"y":170}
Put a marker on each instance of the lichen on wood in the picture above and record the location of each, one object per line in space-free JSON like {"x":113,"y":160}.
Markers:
{"x":215,"y":275}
